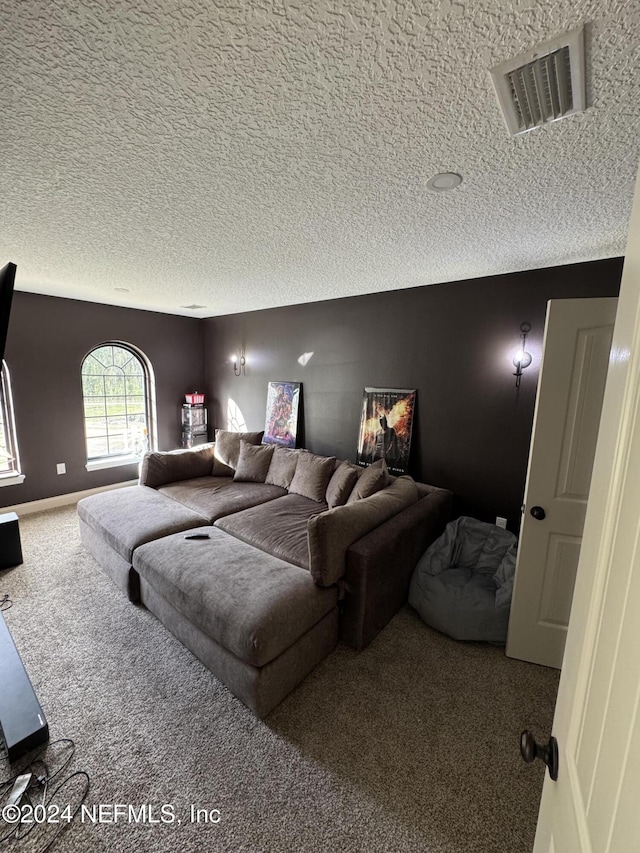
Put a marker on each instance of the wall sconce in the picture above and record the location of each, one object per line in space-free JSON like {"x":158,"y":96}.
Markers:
{"x":522,"y":359}
{"x":239,"y":362}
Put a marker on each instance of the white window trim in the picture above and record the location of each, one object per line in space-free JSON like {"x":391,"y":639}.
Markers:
{"x":11,"y":479}
{"x":113,"y":462}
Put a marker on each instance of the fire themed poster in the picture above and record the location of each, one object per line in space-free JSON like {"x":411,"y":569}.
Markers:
{"x":281,"y":424}
{"x":386,"y":423}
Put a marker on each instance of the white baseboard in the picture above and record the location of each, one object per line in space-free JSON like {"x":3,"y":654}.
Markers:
{"x":61,"y":500}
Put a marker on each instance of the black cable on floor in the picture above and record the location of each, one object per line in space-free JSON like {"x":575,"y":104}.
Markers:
{"x":39,"y":787}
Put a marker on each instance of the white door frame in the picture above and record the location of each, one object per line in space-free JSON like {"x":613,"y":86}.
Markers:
{"x":562,"y":812}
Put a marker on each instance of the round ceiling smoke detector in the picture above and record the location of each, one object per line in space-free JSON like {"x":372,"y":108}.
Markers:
{"x":444,"y":181}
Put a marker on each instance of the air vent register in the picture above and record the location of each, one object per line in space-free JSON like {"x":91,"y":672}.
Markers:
{"x":543,"y":85}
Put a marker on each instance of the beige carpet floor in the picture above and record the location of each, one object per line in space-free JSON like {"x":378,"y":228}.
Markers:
{"x":411,"y":745}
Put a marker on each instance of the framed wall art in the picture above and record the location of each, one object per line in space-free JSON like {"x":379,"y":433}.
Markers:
{"x":281,"y":423}
{"x":386,"y":423}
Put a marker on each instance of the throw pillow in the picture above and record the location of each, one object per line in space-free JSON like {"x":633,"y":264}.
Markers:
{"x":312,"y":476}
{"x":371,"y":481}
{"x":159,"y":467}
{"x":283,"y":467}
{"x":253,"y":462}
{"x":341,"y":484}
{"x":227,"y":450}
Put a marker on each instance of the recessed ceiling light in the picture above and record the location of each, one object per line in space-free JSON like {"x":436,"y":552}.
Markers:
{"x":193,"y":307}
{"x":122,"y":289}
{"x":444,"y":181}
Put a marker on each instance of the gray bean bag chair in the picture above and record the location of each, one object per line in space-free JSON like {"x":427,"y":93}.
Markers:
{"x":463,"y":583}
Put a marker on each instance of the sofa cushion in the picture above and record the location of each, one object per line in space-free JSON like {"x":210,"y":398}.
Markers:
{"x":341,"y":484}
{"x":372,"y":480}
{"x":220,"y":469}
{"x":278,"y":527}
{"x":159,"y":468}
{"x":331,"y":533}
{"x":282,"y":467}
{"x":252,"y":603}
{"x":312,"y":476}
{"x":129,"y":517}
{"x":253,"y":462}
{"x":227,"y":449}
{"x":215,"y":497}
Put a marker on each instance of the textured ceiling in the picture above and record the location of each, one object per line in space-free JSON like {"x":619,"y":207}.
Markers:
{"x":242,"y":155}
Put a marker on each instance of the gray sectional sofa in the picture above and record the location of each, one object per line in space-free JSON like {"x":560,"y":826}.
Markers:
{"x":258,"y":558}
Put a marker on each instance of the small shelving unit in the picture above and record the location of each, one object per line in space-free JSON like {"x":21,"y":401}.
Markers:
{"x":195,"y":429}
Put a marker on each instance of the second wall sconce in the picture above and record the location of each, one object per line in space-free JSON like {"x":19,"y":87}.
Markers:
{"x":522,"y":359}
{"x":239,"y":362}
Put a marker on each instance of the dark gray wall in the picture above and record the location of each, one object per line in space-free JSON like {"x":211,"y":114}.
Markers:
{"x":48,"y":338}
{"x":452,"y":342}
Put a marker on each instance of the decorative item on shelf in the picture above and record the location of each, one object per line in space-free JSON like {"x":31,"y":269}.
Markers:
{"x":239,"y":362}
{"x":522,"y":359}
{"x":194,"y":399}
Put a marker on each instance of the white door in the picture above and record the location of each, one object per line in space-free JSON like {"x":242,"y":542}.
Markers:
{"x":577,"y":342}
{"x":594,"y":807}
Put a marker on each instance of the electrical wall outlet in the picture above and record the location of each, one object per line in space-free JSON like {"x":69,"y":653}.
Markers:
{"x":501,"y":522}
{"x":61,"y":468}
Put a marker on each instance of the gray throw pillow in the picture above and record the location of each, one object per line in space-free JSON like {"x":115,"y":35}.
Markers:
{"x":312,"y":476}
{"x":283,"y":467}
{"x":374,"y":478}
{"x":227,"y":450}
{"x":253,"y":462}
{"x":159,"y":468}
{"x":341,"y":484}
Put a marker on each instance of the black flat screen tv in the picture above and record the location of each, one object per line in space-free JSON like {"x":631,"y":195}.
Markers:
{"x":7,"y":279}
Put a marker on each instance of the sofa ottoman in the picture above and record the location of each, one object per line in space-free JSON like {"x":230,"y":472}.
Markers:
{"x":260,"y":624}
{"x":114,"y":523}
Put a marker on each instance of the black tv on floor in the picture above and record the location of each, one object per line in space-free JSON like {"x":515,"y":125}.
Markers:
{"x":7,"y":280}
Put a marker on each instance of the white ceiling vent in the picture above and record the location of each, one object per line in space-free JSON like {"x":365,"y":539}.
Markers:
{"x":543,"y":85}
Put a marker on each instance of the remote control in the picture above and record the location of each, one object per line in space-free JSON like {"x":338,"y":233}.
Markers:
{"x":197,"y":536}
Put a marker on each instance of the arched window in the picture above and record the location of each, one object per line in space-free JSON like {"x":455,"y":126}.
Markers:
{"x":118,"y":396}
{"x":9,"y":456}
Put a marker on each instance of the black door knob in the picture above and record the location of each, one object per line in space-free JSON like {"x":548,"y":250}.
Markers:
{"x":530,"y":750}
{"x":538,"y":513}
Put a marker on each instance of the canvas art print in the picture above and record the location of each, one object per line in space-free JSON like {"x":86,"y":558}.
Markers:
{"x":281,"y":425}
{"x":385,"y":427}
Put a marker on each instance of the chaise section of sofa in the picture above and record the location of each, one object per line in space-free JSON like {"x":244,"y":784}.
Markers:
{"x":176,"y":491}
{"x":113,"y":524}
{"x":259,"y":623}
